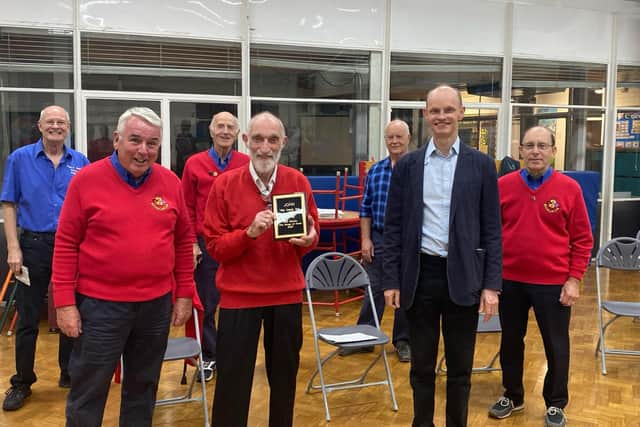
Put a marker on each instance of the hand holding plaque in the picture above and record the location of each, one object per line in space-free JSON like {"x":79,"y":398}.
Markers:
{"x":290,"y":213}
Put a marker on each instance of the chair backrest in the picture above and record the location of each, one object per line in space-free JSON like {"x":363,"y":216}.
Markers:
{"x":621,"y":253}
{"x":335,"y":271}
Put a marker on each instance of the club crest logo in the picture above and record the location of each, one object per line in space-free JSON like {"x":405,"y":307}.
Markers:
{"x":159,"y":203}
{"x":552,"y":206}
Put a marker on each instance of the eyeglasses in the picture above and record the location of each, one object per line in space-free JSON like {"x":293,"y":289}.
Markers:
{"x":60,"y":123}
{"x":542,"y":146}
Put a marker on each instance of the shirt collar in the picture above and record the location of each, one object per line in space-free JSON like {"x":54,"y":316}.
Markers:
{"x":222,"y":163}
{"x":431,"y":149}
{"x":126,"y":175}
{"x":40,"y":150}
{"x":386,"y":162}
{"x":539,"y":180}
{"x":265,"y":190}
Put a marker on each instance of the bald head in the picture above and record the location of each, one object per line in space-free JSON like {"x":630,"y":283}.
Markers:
{"x":54,"y":125}
{"x":398,"y":124}
{"x":224,"y":129}
{"x":443,"y":112}
{"x":397,"y":138}
{"x":266,"y":116}
{"x":444,"y":89}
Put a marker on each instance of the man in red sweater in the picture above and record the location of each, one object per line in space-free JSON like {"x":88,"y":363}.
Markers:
{"x":260,"y":279}
{"x":200,"y":172}
{"x":122,"y":272}
{"x":547,"y":244}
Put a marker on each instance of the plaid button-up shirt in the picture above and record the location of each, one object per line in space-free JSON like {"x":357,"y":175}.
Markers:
{"x":374,"y":200}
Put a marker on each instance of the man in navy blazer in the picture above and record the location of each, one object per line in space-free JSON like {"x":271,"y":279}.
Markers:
{"x":443,"y":254}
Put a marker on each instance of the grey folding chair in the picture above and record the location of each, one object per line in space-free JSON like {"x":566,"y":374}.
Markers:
{"x":187,"y":348}
{"x":490,"y":327}
{"x":336,"y":271}
{"x":622,"y":253}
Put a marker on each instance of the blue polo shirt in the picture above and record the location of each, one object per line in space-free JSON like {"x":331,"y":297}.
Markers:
{"x":37,"y":187}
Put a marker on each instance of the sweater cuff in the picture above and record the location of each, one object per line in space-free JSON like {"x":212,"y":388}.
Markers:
{"x":185,"y":291}
{"x":577,"y":274}
{"x":64,"y":297}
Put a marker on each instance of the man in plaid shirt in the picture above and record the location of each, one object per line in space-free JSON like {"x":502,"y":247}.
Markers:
{"x":374,"y":202}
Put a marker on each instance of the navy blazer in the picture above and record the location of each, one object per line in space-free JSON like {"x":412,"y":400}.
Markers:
{"x":474,"y":260}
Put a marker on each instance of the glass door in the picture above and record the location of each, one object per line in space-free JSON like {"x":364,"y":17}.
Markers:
{"x":185,"y":122}
{"x":189,"y":124}
{"x":102,"y":118}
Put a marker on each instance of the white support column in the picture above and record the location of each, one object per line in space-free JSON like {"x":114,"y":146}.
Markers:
{"x":78,"y":111}
{"x":609,"y":149}
{"x":378,"y":148}
{"x":244,"y":108}
{"x":165,"y":147}
{"x":504,"y":116}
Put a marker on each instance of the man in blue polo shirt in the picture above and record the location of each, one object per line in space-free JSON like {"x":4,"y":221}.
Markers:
{"x":35,"y":183}
{"x":374,"y":202}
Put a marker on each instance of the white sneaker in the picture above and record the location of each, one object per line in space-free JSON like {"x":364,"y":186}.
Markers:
{"x":208,"y":369}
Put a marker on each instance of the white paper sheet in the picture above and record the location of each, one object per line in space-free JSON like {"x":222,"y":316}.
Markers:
{"x":356,"y":337}
{"x":24,"y":276}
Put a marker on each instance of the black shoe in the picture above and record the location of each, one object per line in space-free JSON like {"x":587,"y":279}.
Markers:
{"x":344,"y":351}
{"x":15,"y":397}
{"x":404,"y":351}
{"x":64,"y":381}
{"x":54,"y":330}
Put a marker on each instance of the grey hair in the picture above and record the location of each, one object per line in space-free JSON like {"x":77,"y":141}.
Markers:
{"x":402,"y":123}
{"x":270,"y":116}
{"x":215,"y":116}
{"x":146,"y":114}
{"x":66,"y":113}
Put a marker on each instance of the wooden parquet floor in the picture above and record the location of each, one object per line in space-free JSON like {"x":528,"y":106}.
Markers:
{"x":595,"y":400}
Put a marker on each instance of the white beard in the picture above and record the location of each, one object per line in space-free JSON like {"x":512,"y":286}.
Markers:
{"x":265,"y":166}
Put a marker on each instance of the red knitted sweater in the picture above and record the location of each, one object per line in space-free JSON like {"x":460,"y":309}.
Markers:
{"x":545,"y":232}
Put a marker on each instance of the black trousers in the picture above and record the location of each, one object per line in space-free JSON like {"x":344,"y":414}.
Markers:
{"x":375,"y":272}
{"x":431,"y":306}
{"x":205,"y":277}
{"x":238,"y":335}
{"x":553,"y":321}
{"x":37,"y":254}
{"x":136,"y":330}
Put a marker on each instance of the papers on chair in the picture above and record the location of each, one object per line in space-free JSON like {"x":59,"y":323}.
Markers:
{"x":344,"y":338}
{"x":325,"y":213}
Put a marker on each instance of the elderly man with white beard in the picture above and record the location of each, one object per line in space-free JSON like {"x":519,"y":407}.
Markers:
{"x":259,"y":279}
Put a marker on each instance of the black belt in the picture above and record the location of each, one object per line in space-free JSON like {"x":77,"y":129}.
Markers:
{"x":29,"y":233}
{"x":432,"y":259}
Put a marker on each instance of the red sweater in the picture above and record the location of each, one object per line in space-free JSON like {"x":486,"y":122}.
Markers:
{"x":200,"y":172}
{"x":254,"y":272}
{"x":546,"y":235}
{"x":118,"y":243}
